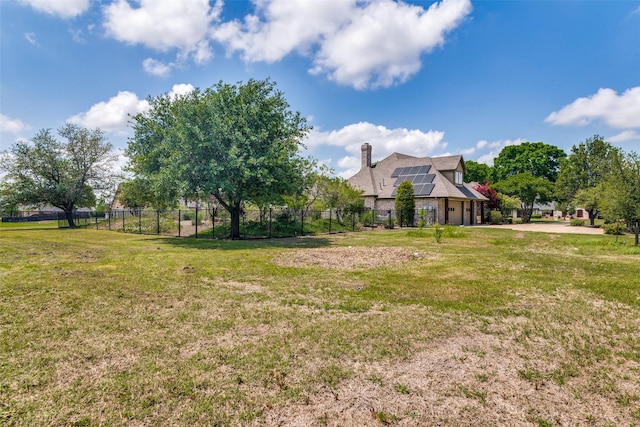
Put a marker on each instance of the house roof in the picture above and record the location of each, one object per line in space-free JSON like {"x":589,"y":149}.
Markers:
{"x":378,"y":181}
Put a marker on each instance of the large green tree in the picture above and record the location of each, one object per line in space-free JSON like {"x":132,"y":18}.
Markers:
{"x":477,"y":172}
{"x":405,"y":204}
{"x":537,"y":158}
{"x":622,"y":189}
{"x":582,"y":172}
{"x":63,"y":174}
{"x":336,"y":193}
{"x":529,"y":189}
{"x":236,"y":142}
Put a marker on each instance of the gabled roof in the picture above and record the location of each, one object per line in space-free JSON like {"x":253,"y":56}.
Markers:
{"x":378,"y":181}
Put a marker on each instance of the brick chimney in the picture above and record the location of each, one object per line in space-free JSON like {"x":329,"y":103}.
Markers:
{"x":366,"y":155}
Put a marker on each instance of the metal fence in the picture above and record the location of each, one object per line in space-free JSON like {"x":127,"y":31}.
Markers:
{"x":216,"y":224}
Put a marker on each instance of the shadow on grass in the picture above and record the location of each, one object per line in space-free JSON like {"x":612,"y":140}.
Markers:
{"x":285,"y":242}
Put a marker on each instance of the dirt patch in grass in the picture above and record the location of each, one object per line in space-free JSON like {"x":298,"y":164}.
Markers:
{"x":349,"y":257}
{"x":526,"y":368}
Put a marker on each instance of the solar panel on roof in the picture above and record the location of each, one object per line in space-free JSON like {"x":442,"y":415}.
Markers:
{"x":423,"y":189}
{"x":396,"y":173}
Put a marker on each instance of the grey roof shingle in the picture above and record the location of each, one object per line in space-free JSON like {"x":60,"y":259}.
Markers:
{"x":378,"y":181}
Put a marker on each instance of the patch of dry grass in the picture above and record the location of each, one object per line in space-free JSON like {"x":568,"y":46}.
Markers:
{"x":100,"y":328}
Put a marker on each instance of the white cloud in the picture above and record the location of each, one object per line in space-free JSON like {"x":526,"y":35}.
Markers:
{"x":385,"y":141}
{"x":113,"y":115}
{"x":382,"y":44}
{"x":361,"y":44}
{"x":496,"y":147}
{"x":31,"y":38}
{"x":348,"y":166}
{"x":13,"y":126}
{"x":164,"y":24}
{"x":155,"y":67}
{"x":280,"y":27}
{"x":180,"y":89}
{"x":61,"y":8}
{"x":616,"y":111}
{"x":76,"y":36}
{"x":627,"y":135}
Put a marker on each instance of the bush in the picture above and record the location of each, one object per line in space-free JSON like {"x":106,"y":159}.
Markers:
{"x":367,"y":218}
{"x":495,"y":217}
{"x":536,"y":216}
{"x":389,"y":223}
{"x":191,"y":215}
{"x":438,"y":233}
{"x":615,"y":228}
{"x":577,"y":222}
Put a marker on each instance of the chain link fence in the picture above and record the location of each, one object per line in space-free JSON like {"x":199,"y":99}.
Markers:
{"x":216,"y":223}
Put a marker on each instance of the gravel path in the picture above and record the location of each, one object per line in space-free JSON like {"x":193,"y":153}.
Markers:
{"x":549,"y":227}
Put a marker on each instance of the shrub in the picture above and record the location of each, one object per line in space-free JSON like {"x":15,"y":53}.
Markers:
{"x":389,"y":223}
{"x":367,"y":218}
{"x":536,"y":216}
{"x":615,"y":228}
{"x":438,"y":233}
{"x":495,"y":217}
{"x":191,"y":215}
{"x":577,"y":222}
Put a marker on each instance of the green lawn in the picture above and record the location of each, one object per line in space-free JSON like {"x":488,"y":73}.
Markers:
{"x":29,"y":225}
{"x":489,"y":327}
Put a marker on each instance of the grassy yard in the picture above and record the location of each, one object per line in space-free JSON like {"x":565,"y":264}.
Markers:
{"x":489,"y":327}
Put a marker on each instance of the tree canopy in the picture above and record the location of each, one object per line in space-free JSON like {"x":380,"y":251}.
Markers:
{"x":622,"y":187}
{"x":66,"y":174}
{"x":236,"y":142}
{"x":537,"y":158}
{"x":529,"y":189}
{"x":477,"y":172}
{"x":582,"y":172}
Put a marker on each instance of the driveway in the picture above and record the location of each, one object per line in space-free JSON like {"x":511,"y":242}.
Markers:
{"x":549,"y":227}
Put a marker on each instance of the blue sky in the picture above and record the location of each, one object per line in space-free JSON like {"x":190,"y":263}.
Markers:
{"x":421,"y":78}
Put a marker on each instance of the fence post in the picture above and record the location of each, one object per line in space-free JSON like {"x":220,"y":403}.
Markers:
{"x":353,"y":221}
{"x":179,"y":220}
{"x":123,"y":224}
{"x":329,"y":220}
{"x":213,"y":223}
{"x":158,"y":221}
{"x":302,"y":222}
{"x":270,"y":209}
{"x":96,"y":220}
{"x":139,"y":221}
{"x":196,"y":220}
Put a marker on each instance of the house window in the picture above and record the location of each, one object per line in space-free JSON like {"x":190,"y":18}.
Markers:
{"x":458,"y":178}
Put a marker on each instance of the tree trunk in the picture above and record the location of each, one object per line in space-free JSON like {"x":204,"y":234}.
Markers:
{"x":592,"y":217}
{"x":526,"y":214}
{"x":68,"y":213}
{"x":234,"y":211}
{"x":637,"y":230}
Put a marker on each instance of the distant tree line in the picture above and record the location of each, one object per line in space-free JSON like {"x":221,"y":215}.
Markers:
{"x":595,"y":176}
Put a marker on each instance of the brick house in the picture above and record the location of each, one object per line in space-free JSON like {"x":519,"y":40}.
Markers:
{"x":438,"y":184}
